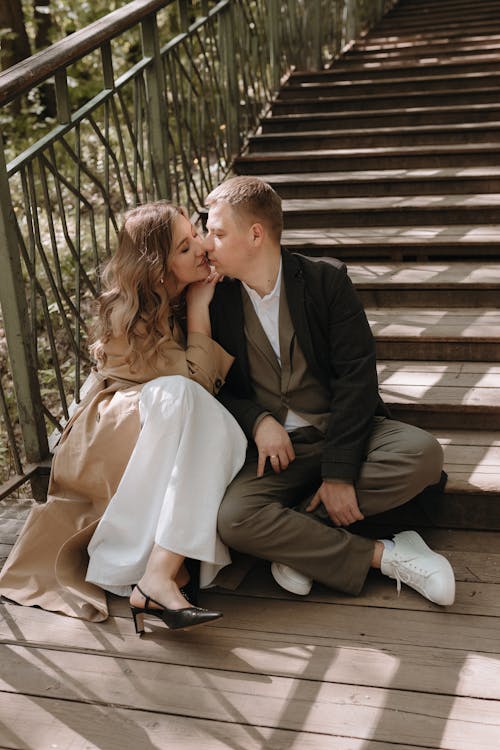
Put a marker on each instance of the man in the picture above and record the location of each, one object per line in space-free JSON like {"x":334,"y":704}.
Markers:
{"x":304,"y":389}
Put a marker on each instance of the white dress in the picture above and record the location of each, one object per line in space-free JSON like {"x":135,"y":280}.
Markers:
{"x":189,"y":449}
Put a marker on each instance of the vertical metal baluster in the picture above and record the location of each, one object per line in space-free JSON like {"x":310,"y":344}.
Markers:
{"x":157,"y":107}
{"x":78,"y":249}
{"x":229,"y":75}
{"x":15,"y":316}
{"x":274,"y":43}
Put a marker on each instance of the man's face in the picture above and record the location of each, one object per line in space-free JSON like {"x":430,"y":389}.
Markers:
{"x":228,"y":241}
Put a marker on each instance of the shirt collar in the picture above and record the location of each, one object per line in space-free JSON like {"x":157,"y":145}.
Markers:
{"x":271,"y":297}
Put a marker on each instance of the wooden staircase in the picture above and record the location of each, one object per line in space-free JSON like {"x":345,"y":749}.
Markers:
{"x":390,"y":161}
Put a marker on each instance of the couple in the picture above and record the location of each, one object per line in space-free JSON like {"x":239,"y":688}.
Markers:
{"x":152,"y":472}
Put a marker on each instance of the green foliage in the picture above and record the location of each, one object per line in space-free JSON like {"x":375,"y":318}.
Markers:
{"x":31,"y":116}
{"x":67,"y":17}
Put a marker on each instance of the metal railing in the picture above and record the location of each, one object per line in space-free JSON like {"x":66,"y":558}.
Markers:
{"x":165,"y":120}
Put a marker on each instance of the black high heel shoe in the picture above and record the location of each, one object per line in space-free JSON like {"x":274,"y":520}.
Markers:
{"x":189,"y":593}
{"x":191,"y":589}
{"x":174,"y":619}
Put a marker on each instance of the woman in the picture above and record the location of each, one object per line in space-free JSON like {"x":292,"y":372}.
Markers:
{"x":143,"y":463}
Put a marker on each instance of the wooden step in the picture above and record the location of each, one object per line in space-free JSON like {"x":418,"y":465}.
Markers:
{"x":385,"y":182}
{"x":451,"y":32}
{"x":426,"y":9}
{"x":364,"y":53}
{"x":444,"y":395}
{"x":437,"y":242}
{"x":425,"y":13}
{"x":405,"y":7}
{"x":444,"y":285}
{"x":366,"y":137}
{"x":387,"y":100}
{"x":377,"y":62}
{"x":450,"y":44}
{"x":479,"y":26}
{"x":413,"y":68}
{"x":404,"y":157}
{"x":436,"y":334}
{"x":382,"y":118}
{"x":398,"y":24}
{"x":472,"y":493}
{"x":424,"y":84}
{"x":390,"y":211}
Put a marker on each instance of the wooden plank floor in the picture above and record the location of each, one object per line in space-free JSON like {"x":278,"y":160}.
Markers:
{"x":376,"y":672}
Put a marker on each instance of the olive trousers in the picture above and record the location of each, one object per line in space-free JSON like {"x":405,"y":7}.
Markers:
{"x":265,"y":517}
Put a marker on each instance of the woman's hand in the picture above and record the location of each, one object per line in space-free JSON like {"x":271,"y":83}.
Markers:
{"x":199,"y":294}
{"x":198,"y":297}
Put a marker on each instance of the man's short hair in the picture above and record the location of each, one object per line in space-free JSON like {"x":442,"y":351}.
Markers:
{"x":253,"y":197}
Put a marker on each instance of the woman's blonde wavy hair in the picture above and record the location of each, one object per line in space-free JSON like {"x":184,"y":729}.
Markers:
{"x":134,"y":301}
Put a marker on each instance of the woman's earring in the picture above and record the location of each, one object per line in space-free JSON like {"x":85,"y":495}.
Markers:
{"x":162,"y":280}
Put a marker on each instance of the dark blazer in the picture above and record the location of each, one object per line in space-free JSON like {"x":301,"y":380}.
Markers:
{"x":337,"y":342}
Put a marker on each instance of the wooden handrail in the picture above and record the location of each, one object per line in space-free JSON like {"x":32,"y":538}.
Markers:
{"x":37,"y":68}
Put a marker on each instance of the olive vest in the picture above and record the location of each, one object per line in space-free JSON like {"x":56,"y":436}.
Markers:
{"x":289,"y":385}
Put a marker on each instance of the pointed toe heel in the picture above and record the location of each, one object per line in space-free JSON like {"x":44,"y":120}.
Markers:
{"x":174,"y":619}
{"x":190,"y":592}
{"x":138,"y":616}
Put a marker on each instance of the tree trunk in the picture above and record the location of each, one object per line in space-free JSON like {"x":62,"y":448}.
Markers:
{"x":14,"y":45}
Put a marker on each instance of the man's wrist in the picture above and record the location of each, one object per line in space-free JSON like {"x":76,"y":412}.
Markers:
{"x":334,"y":480}
{"x":259,"y":419}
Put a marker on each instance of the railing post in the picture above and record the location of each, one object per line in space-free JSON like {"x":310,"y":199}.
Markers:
{"x":353,"y":26}
{"x":62,"y":97}
{"x":349,"y":21}
{"x":19,"y":342}
{"x":183,"y":6}
{"x":274,"y":43}
{"x":232,"y":95}
{"x":314,"y":22}
{"x":157,"y":107}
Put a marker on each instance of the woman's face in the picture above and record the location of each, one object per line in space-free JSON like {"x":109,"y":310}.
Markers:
{"x":188,"y":261}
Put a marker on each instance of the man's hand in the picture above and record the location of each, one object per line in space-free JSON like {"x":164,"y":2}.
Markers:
{"x":339,"y":499}
{"x":273,"y":442}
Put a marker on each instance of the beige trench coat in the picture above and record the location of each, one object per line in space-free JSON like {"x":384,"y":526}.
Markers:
{"x":48,"y":563}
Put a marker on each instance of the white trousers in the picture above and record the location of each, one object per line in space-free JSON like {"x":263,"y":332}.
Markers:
{"x":188,"y":451}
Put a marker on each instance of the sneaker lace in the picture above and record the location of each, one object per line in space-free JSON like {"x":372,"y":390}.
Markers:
{"x":411,"y":576}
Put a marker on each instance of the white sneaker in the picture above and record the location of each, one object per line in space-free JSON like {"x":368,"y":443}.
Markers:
{"x":414,"y":563}
{"x":290,"y":579}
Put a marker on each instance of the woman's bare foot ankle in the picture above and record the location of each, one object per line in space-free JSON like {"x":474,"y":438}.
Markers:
{"x":167,"y":594}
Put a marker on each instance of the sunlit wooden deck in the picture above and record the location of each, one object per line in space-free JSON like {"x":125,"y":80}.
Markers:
{"x":375,"y":672}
